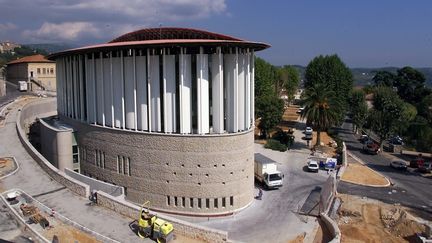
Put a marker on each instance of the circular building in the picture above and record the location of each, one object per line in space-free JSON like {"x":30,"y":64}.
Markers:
{"x":167,"y":113}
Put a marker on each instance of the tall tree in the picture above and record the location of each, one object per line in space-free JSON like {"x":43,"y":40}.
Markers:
{"x":384,"y":78}
{"x":332,"y":73}
{"x":264,"y":77}
{"x":321,"y":108}
{"x":289,"y":80}
{"x":359,"y":109}
{"x":270,"y":110}
{"x":410,"y":84}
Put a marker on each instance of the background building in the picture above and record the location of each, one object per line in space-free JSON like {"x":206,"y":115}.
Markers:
{"x":168,"y":113}
{"x":37,"y":70}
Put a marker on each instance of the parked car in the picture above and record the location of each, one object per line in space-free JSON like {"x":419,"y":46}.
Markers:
{"x":416,"y":163}
{"x":308,"y":130}
{"x":300,"y":110}
{"x":396,"y":140}
{"x":364,"y":138}
{"x":371,"y":147}
{"x":312,"y":166}
{"x":398,"y":164}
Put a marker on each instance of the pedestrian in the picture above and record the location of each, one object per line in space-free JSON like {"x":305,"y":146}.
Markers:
{"x":260,"y":193}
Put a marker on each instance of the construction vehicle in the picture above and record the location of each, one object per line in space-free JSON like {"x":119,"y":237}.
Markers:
{"x":149,"y":225}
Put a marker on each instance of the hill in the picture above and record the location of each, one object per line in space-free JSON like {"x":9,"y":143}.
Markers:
{"x":51,"y":47}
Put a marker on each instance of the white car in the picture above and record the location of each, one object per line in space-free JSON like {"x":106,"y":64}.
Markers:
{"x":308,"y":130}
{"x":312,"y":166}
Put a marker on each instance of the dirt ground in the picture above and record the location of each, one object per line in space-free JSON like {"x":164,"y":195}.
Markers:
{"x":6,"y":166}
{"x":182,"y":239}
{"x":361,"y":174}
{"x":367,"y":220}
{"x":66,"y":233}
{"x":298,"y":239}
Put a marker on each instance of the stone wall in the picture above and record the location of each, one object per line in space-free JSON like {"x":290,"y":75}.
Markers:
{"x":188,"y":174}
{"x":28,"y":114}
{"x":96,"y":185}
{"x":182,"y":227}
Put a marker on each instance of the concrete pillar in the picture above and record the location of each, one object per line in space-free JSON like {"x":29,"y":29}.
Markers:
{"x":185,"y":92}
{"x":248,"y":121}
{"x":81,"y":87}
{"x":155,"y":94}
{"x":217,"y":91}
{"x":107,"y":77}
{"x":142,"y":107}
{"x":149,"y":112}
{"x":91,"y":93}
{"x":117,"y":90}
{"x":169,"y":91}
{"x":122,"y":90}
{"x":100,"y":90}
{"x":111,"y":83}
{"x":241,"y":91}
{"x":231,"y":80}
{"x":129,"y":90}
{"x":203,"y":93}
{"x":252,"y":93}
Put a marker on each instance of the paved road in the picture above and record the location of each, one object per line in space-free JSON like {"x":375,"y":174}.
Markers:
{"x":11,"y":94}
{"x":410,"y":188}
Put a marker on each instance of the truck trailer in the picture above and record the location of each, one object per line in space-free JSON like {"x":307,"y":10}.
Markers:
{"x":266,"y":172}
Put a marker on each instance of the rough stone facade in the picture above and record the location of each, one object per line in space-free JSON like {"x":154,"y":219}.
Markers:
{"x":190,"y":174}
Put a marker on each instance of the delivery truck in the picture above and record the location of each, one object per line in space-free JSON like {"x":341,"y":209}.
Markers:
{"x":266,"y":172}
{"x":22,"y":86}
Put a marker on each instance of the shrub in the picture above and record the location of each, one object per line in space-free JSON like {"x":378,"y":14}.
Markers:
{"x":275,"y":145}
{"x":285,"y":138}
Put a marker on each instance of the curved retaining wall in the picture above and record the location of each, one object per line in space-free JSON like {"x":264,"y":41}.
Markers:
{"x":27,"y":115}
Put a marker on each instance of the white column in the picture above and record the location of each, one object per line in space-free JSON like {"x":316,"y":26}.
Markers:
{"x":169,"y":91}
{"x":135,"y":90}
{"x":155,"y":94}
{"x":129,"y":90}
{"x":122,"y":90}
{"x":231,"y":80}
{"x":185,"y":93}
{"x":141,"y":72}
{"x":241,"y":91}
{"x":111,"y":81}
{"x":100,"y":91}
{"x":217,"y":92}
{"x":117,"y":90}
{"x":248,"y":121}
{"x":91,"y":95}
{"x":81,"y":86}
{"x":87,"y":88}
{"x":74,"y":87}
{"x":94,"y":70}
{"x":252,"y":93}
{"x":107,"y":91}
{"x":149,"y":112}
{"x":203,"y":92}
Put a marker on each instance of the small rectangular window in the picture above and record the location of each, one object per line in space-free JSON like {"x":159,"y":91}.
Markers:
{"x":199,"y":202}
{"x":183,"y":202}
{"x":118,"y":164}
{"x":168,"y":200}
{"x":223,"y":202}
{"x":216,"y":203}
{"x":52,"y":70}
{"x":191,"y":202}
{"x":124,"y":165}
{"x":129,"y":167}
{"x":175,"y":201}
{"x":103,"y":160}
{"x":96,"y":157}
{"x":207,"y":202}
{"x":231,"y":201}
{"x":44,"y":70}
{"x":38,"y":71}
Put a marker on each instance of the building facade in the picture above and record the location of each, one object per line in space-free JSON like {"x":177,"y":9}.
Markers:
{"x":37,"y":70}
{"x":168,"y":113}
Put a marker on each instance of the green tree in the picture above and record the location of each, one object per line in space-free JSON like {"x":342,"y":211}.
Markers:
{"x":321,"y":108}
{"x":425,"y":108}
{"x":264,"y":77}
{"x":270,"y":110}
{"x":386,"y":114}
{"x":289,"y":78}
{"x":331,"y":72}
{"x":384,"y":78}
{"x":410,"y":84}
{"x":359,"y":109}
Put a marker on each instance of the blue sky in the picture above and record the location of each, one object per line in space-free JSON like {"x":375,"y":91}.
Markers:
{"x":363,"y":33}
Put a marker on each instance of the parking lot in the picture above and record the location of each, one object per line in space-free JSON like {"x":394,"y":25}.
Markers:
{"x":275,"y":217}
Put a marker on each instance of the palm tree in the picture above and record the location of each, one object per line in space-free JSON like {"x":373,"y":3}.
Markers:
{"x":321,"y":108}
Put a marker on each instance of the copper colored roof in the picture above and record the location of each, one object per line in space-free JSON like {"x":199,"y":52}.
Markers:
{"x":29,"y":59}
{"x":165,"y":37}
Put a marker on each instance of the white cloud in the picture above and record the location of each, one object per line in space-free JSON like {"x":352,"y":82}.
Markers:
{"x":7,"y":26}
{"x":68,"y":31}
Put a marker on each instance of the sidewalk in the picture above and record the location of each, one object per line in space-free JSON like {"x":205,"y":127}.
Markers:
{"x":33,"y":180}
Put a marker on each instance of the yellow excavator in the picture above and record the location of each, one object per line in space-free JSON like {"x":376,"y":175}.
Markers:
{"x":149,"y":225}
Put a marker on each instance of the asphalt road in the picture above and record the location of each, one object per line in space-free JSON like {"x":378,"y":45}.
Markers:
{"x":11,"y":94}
{"x":409,"y":188}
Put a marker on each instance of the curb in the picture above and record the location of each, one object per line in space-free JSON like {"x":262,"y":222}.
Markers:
{"x":13,"y":172}
{"x":364,"y":164}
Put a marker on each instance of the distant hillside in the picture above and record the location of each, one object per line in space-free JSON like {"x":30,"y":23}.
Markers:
{"x":51,"y":48}
{"x":363,"y":76}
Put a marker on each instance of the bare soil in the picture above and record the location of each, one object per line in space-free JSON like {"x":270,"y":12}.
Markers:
{"x":366,"y":220}
{"x":298,"y":239}
{"x":361,"y":174}
{"x":66,"y":233}
{"x":6,"y":166}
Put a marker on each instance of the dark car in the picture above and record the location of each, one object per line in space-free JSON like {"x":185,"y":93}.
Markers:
{"x":371,"y":147}
{"x":398,"y":164}
{"x":364,"y":138}
{"x":425,"y":168}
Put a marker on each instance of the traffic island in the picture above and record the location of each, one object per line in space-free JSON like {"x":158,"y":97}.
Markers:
{"x":360,"y":174}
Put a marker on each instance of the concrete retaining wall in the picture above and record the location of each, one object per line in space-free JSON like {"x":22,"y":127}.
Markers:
{"x":332,"y":227}
{"x":182,"y":227}
{"x":97,"y":185}
{"x":27,"y":115}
